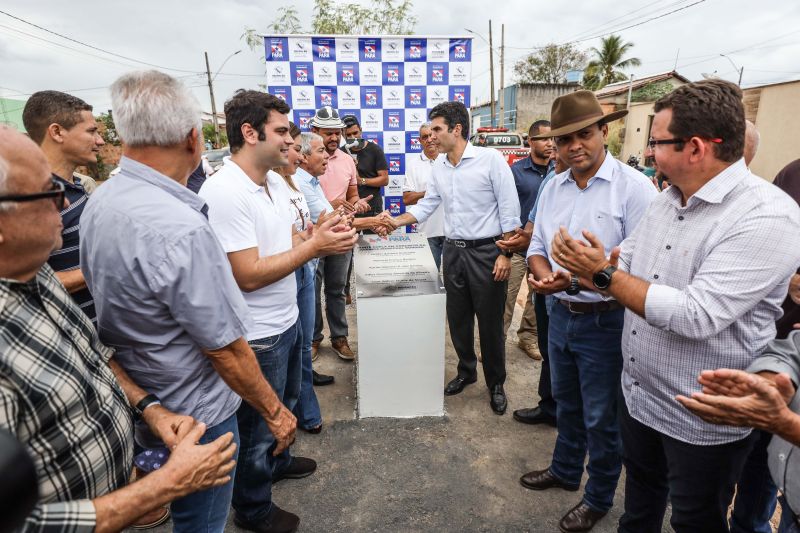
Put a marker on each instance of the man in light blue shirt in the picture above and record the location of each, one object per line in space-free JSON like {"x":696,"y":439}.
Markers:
{"x":306,"y":177}
{"x":602,"y":195}
{"x":481,"y":206}
{"x":164,"y":292}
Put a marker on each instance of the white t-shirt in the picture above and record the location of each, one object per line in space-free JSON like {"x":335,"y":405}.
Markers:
{"x":418,"y":173}
{"x":244,"y":216}
{"x":298,"y":207}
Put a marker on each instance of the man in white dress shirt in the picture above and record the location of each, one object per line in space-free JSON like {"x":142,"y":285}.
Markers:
{"x":418,"y":174}
{"x":476,"y":188}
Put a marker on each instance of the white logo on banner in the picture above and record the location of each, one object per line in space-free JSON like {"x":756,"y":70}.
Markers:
{"x":393,"y":142}
{"x":438,"y":49}
{"x":392,"y":49}
{"x":278,"y":74}
{"x":372,"y":119}
{"x":324,"y":73}
{"x":300,"y":49}
{"x":349,"y":97}
{"x":393,"y":97}
{"x":436,"y":95}
{"x":415,"y":73}
{"x":303,"y":97}
{"x":459,"y":73}
{"x":415,"y":118}
{"x":346,"y":49}
{"x":370,"y":73}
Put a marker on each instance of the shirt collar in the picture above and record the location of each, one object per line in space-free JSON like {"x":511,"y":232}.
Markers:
{"x":605,"y":172}
{"x":241,"y":176}
{"x":715,"y":190}
{"x":75,"y":184}
{"x":469,"y":153}
{"x":132,"y":168}
{"x":529,"y":165}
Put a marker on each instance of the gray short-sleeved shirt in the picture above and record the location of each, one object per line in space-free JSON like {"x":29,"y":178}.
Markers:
{"x":163,"y":289}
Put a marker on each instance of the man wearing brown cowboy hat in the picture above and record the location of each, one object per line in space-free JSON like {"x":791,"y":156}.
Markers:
{"x":609,"y":198}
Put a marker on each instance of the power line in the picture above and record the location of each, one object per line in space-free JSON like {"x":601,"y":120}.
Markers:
{"x":91,"y":46}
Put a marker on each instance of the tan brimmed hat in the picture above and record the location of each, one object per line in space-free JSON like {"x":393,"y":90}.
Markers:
{"x":575,"y":111}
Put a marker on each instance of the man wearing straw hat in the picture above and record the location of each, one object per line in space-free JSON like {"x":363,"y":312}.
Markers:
{"x":609,"y":198}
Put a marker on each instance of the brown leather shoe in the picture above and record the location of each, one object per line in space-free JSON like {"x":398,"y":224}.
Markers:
{"x":531,"y":350}
{"x":580,"y":518}
{"x":315,"y":350}
{"x":543,"y":480}
{"x":342,"y":348}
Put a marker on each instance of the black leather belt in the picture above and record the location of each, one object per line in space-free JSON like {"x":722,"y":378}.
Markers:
{"x":461,"y":243}
{"x":585,"y":308}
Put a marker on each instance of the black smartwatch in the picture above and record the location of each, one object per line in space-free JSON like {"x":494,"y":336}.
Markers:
{"x":144,"y":403}
{"x":508,"y":254}
{"x":574,"y":285}
{"x":602,"y":279}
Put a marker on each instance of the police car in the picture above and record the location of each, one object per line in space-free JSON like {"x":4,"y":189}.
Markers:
{"x":510,"y":144}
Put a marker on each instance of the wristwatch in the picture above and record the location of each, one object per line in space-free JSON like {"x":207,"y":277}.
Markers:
{"x":602,"y":279}
{"x":363,"y":181}
{"x":508,"y":254}
{"x":144,"y":403}
{"x":574,"y":285}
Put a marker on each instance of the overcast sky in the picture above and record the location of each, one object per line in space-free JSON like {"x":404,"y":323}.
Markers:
{"x":763,"y":37}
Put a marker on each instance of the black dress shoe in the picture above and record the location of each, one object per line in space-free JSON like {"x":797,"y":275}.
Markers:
{"x":320,"y":380}
{"x":298,"y":468}
{"x":277,"y":521}
{"x":544,"y":479}
{"x":457,"y":384}
{"x":580,"y":518}
{"x":534,"y":415}
{"x":498,"y":400}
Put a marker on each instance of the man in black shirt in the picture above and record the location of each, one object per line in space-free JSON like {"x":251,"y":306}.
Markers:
{"x":373,"y":172}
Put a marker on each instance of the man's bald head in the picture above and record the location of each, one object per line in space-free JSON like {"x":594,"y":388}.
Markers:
{"x":29,"y":230}
{"x":751,"y":140}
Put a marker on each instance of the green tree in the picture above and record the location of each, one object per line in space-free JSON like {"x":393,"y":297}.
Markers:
{"x":383,"y":17}
{"x":652,"y":92}
{"x":608,"y":63}
{"x":549,"y":64}
{"x":210,"y":135}
{"x":108,"y":130}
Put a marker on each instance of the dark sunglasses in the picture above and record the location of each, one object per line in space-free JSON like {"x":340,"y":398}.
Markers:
{"x":56,"y":192}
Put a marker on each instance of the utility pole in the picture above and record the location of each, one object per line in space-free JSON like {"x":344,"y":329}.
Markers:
{"x":502,"y":71}
{"x":213,"y":103}
{"x":741,"y":71}
{"x":491,"y":73}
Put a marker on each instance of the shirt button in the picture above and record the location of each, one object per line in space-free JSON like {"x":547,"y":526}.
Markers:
{"x":680,"y":217}
{"x":636,"y":383}
{"x":655,"y":276}
{"x":633,"y":359}
{"x":669,"y":247}
{"x":782,"y":456}
{"x":633,"y":332}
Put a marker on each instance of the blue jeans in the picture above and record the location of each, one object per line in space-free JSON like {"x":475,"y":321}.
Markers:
{"x":437,"y":247}
{"x":307,"y":409}
{"x":788,"y":523}
{"x":585,"y":368}
{"x":756,"y":494}
{"x":207,"y":511}
{"x":279,"y":359}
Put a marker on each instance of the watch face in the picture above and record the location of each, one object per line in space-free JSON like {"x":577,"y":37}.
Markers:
{"x":601,"y":280}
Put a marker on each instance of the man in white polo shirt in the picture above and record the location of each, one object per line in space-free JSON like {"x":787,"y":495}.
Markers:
{"x":246,"y":211}
{"x":418,"y":174}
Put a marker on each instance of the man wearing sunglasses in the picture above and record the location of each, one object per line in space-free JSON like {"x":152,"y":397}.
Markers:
{"x":702,"y":278}
{"x":65,"y":129}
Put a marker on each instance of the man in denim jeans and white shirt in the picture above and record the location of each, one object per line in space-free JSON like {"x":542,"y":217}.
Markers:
{"x":248,"y":210}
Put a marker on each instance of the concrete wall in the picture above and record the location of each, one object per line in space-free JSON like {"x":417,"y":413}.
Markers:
{"x":777,"y":122}
{"x":637,"y":130}
{"x":534,"y":101}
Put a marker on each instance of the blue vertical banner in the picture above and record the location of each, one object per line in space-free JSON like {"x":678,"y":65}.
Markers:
{"x":389,"y":83}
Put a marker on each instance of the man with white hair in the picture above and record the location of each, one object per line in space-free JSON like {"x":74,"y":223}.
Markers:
{"x":165,"y":295}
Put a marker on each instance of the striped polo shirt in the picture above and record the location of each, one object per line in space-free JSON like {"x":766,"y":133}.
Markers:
{"x":68,"y":256}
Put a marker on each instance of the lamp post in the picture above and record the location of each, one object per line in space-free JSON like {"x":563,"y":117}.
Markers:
{"x":741,"y":70}
{"x":211,"y":79}
{"x":491,"y":69}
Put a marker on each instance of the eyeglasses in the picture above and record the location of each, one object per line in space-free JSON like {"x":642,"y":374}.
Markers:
{"x":56,"y":192}
{"x":652,"y":143}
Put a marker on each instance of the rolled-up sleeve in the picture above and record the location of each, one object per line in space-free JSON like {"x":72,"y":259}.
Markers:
{"x":505,"y":191}
{"x":425,"y":207}
{"x":317,"y":203}
{"x":739,"y":272}
{"x":196,"y":283}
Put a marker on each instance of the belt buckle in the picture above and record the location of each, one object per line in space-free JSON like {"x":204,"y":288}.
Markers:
{"x":569,"y":307}
{"x":459,"y":244}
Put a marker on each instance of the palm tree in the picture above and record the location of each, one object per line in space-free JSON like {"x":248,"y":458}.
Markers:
{"x":608,"y":63}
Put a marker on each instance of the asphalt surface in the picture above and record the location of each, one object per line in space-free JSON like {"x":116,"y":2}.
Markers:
{"x":456,"y":473}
